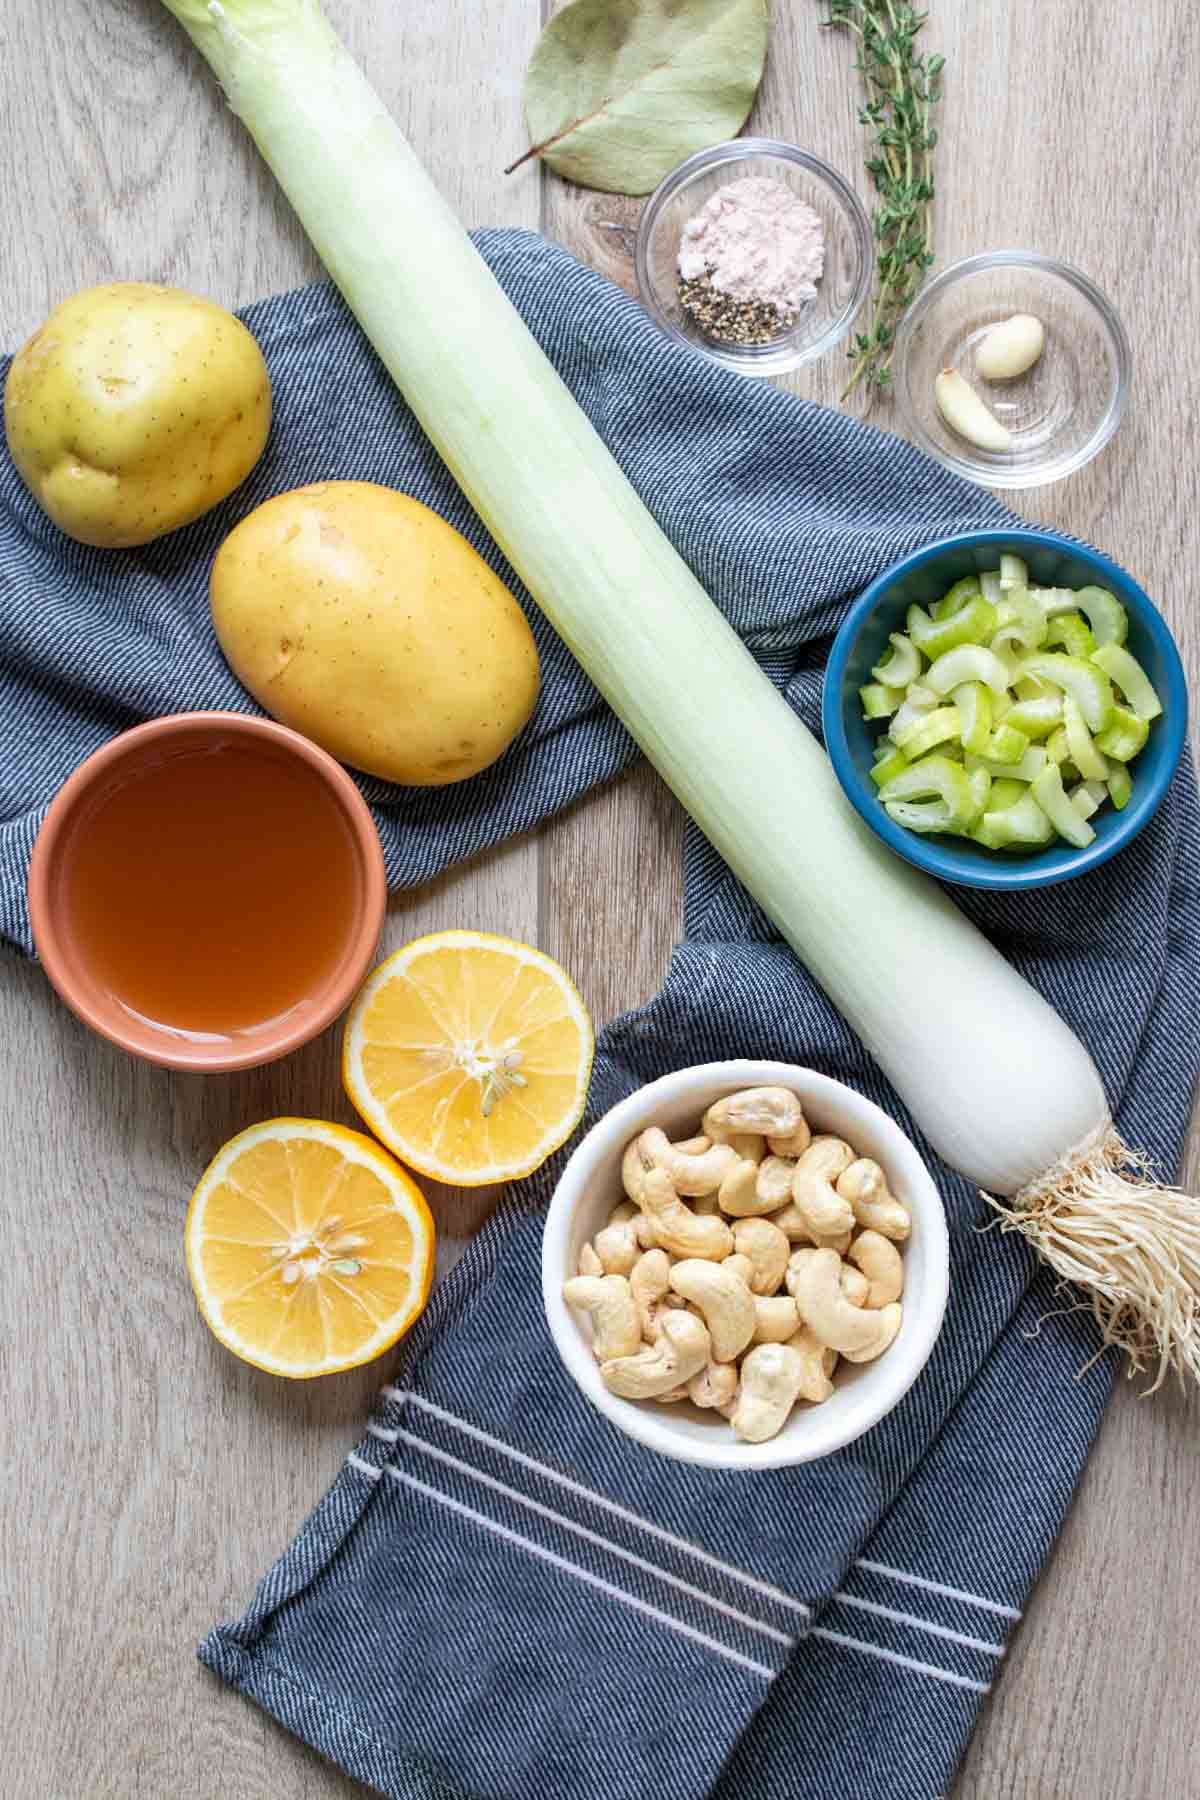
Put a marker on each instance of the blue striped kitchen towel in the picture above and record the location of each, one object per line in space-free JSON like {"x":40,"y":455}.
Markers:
{"x":502,"y":1597}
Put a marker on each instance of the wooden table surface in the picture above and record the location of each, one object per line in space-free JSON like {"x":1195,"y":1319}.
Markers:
{"x":149,"y":1478}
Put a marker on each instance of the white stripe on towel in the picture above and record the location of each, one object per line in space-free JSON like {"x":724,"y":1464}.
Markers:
{"x":904,"y":1662}
{"x":598,"y":1499}
{"x":593,"y":1537}
{"x":585,"y":1575}
{"x":938,"y":1587}
{"x":911,"y":1621}
{"x":364,"y":1468}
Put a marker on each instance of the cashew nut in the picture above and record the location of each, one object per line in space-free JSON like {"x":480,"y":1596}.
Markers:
{"x":824,"y":1210}
{"x":881,"y":1264}
{"x":864,"y":1185}
{"x":676,"y":1228}
{"x":775,"y":1181}
{"x":680,"y":1351}
{"x":707,"y":1205}
{"x":819,"y":1361}
{"x":673,"y":1394}
{"x":633,"y":1172}
{"x":648,"y":1283}
{"x":769,"y":1111}
{"x":690,"y":1175}
{"x":768,"y":1250}
{"x":814,"y":1284}
{"x":739,"y":1194}
{"x":775,"y":1319}
{"x":854,"y":1285}
{"x":724,"y":1300}
{"x":617,"y":1245}
{"x":739,"y":1264}
{"x":589,"y":1262}
{"x":792,"y":1144}
{"x":616,"y":1327}
{"x":772,"y":1376}
{"x":714,"y":1386}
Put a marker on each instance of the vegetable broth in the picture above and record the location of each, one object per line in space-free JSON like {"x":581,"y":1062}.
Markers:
{"x":213,"y":888}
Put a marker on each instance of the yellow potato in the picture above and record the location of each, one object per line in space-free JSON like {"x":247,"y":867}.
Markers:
{"x":135,"y":409}
{"x":359,"y":617}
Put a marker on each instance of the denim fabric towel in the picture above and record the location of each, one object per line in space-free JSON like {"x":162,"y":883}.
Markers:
{"x":502,"y":1597}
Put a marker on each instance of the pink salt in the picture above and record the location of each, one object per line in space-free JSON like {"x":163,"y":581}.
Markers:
{"x":755,"y":240}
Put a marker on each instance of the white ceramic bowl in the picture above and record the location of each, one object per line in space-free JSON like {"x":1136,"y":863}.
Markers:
{"x":591,"y":1186}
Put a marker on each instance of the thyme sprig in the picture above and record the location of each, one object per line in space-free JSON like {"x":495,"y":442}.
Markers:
{"x":903,"y":86}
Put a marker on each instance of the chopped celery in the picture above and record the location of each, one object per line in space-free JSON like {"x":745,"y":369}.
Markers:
{"x":1072,"y":631}
{"x":989,"y":584}
{"x":967,"y":662}
{"x":918,"y":703}
{"x":1013,"y":573}
{"x":1007,"y":744}
{"x":1130,"y":677}
{"x":927,"y":732}
{"x":1022,"y":620}
{"x":980,"y":782}
{"x":974,"y":704}
{"x":1055,"y":600}
{"x":1005,"y":792}
{"x":1030,"y":688}
{"x":902,"y":665}
{"x":943,"y":788}
{"x":1105,"y":614}
{"x":1098,"y":790}
{"x":962,"y":591}
{"x":1014,"y":827}
{"x":1085,"y":803}
{"x":1088,"y":684}
{"x":1031,"y":763}
{"x":1037,"y":718}
{"x":1057,"y":747}
{"x":1080,"y":748}
{"x":973,"y":623}
{"x":888,"y":767}
{"x":1047,"y":789}
{"x":1007,"y":652}
{"x":1126,"y":735}
{"x":879,"y":702}
{"x":1120,"y":786}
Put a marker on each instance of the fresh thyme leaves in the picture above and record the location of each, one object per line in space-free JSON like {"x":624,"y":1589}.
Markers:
{"x":903,"y":86}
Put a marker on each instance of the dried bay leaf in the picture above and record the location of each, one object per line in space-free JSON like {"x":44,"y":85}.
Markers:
{"x":620,"y":91}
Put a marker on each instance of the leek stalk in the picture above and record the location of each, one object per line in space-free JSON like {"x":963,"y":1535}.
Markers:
{"x":998,"y":1083}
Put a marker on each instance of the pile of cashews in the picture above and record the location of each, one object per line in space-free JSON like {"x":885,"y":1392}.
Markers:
{"x":685,"y":1301}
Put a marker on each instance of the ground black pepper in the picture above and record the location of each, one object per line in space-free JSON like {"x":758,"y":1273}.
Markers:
{"x":729,"y":321}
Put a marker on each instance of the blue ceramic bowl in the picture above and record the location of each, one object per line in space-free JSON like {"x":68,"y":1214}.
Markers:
{"x":925,"y":577}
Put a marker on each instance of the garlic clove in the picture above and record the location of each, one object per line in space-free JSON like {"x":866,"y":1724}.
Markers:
{"x":1010,"y":348}
{"x":967,"y":414}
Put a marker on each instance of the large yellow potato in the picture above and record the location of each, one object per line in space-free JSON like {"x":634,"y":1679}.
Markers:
{"x":134,"y":409}
{"x":359,"y":617}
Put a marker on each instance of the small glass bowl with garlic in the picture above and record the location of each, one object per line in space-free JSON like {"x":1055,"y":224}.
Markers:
{"x":1058,"y":413}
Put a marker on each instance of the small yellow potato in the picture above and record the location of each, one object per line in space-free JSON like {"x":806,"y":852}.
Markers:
{"x":135,"y":409}
{"x":359,"y":617}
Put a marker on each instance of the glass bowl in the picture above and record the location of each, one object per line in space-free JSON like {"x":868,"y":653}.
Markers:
{"x":849,"y":255}
{"x":1061,"y":412}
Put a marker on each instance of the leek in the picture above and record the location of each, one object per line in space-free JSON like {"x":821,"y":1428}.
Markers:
{"x":1000,"y":1086}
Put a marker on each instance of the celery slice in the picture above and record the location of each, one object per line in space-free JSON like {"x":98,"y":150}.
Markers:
{"x":1072,"y":631}
{"x":1047,"y":789}
{"x":1013,"y":573}
{"x":1057,"y":748}
{"x":967,"y":662}
{"x":902,"y":665}
{"x":1037,"y":718}
{"x":1055,"y":600}
{"x":1125,"y":737}
{"x":926,"y":733}
{"x":943,"y":786}
{"x":1105,"y":614}
{"x":1031,"y":763}
{"x":974,"y":704}
{"x":1085,"y":803}
{"x":1120,"y":786}
{"x":1131,"y":678}
{"x":1014,"y":827}
{"x":1007,"y":745}
{"x":980,"y":782}
{"x":1022,"y":621}
{"x":1080,"y":748}
{"x":879,"y":702}
{"x":888,"y":767}
{"x":1088,"y":684}
{"x":973,"y":623}
{"x":989,"y":585}
{"x":1005,"y":792}
{"x":919,"y":702}
{"x":958,"y":595}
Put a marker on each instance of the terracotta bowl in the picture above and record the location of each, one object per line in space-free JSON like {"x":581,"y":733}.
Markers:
{"x":65,"y":959}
